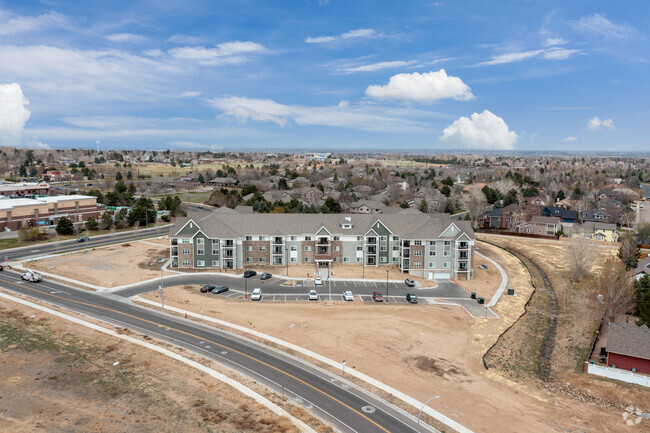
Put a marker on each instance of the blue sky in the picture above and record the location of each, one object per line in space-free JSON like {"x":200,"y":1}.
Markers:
{"x":329,"y":75}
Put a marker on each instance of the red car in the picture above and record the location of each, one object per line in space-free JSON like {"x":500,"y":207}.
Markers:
{"x":377,"y":297}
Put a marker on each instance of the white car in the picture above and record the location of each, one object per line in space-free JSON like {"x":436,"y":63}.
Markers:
{"x":313,"y":296}
{"x":318,"y":281}
{"x":31,"y":276}
{"x":348,"y":296}
{"x":257,"y":295}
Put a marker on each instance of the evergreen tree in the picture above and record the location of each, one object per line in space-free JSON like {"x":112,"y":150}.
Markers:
{"x":91,"y":224}
{"x":64,"y":226}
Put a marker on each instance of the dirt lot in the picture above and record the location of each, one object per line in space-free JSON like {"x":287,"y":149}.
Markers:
{"x":433,"y":350}
{"x":55,"y":376}
{"x":109,"y":266}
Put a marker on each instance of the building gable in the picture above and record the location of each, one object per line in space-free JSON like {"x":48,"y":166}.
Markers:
{"x":188,"y":230}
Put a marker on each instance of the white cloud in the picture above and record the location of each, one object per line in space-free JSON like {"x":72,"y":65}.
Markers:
{"x":29,"y":24}
{"x":184,"y":39}
{"x":375,"y":66}
{"x":186,"y":145}
{"x":426,"y":87}
{"x":554,"y":53}
{"x":126,"y":38}
{"x":549,"y":42}
{"x":352,"y":34}
{"x":227,"y":52}
{"x":482,"y":131}
{"x":37,"y":145}
{"x":595,"y":123}
{"x":345,"y":115}
{"x":13,"y":114}
{"x":190,"y":94}
{"x":569,"y":139}
{"x":598,"y":24}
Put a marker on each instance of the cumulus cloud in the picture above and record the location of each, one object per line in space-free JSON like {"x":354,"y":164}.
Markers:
{"x":598,"y":24}
{"x":13,"y":114}
{"x":569,"y":139}
{"x":345,"y":115}
{"x":37,"y":145}
{"x":352,"y":34}
{"x":426,"y":87}
{"x":595,"y":123}
{"x":126,"y":38}
{"x":481,"y":131}
{"x":554,"y":53}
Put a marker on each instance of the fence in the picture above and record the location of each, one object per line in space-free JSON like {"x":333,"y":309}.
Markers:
{"x":523,"y":235}
{"x":618,"y":374}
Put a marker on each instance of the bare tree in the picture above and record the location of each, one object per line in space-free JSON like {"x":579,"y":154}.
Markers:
{"x":474,"y":202}
{"x":580,"y":254}
{"x":615,"y":291}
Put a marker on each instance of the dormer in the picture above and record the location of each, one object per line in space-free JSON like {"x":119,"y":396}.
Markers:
{"x":346,"y":224}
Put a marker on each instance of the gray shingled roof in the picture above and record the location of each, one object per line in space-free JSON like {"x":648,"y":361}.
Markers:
{"x":407,"y":226}
{"x":629,"y":339}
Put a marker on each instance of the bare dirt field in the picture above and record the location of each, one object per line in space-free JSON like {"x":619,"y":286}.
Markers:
{"x":111,"y":266}
{"x":434,"y":350}
{"x":56,"y":376}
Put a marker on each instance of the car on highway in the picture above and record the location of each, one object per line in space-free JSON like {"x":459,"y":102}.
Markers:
{"x":220,"y":289}
{"x":207,"y":288}
{"x":318,"y":281}
{"x":410,"y":282}
{"x":266,"y":276}
{"x":348,"y":296}
{"x":249,"y":274}
{"x":32,"y":277}
{"x":377,"y":297}
{"x":83,"y":239}
{"x":313,"y":296}
{"x":411,"y":298}
{"x":257,"y":295}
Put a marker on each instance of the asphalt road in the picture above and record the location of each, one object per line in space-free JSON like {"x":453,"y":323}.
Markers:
{"x":343,"y":406}
{"x":62,"y":246}
{"x":445,"y":289}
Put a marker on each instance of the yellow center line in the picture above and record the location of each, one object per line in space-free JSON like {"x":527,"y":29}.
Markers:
{"x":213,"y":342}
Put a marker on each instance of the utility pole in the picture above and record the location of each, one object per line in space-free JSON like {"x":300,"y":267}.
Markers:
{"x":387,"y":286}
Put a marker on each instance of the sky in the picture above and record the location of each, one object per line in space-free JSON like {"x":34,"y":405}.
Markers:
{"x":326,"y":75}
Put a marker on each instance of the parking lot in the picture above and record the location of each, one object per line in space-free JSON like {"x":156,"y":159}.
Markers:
{"x":323,"y":296}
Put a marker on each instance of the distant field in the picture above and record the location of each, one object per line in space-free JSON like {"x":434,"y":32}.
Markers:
{"x":192,"y":196}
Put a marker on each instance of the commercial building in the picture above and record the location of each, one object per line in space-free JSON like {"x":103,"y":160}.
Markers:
{"x":427,"y":245}
{"x":24,"y":189}
{"x":44,"y":211}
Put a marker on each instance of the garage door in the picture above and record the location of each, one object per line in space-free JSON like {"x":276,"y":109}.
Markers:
{"x":442,"y":276}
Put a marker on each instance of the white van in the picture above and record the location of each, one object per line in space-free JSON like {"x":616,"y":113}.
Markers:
{"x":257,"y":295}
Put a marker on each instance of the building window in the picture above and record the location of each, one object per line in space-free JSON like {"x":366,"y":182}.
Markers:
{"x":417,"y":243}
{"x":249,"y":238}
{"x":445,"y":265}
{"x":358,"y":259}
{"x":395,"y":248}
{"x":346,"y":226}
{"x":293,"y":238}
{"x":308,"y":259}
{"x":337,"y":248}
{"x":337,"y":259}
{"x":396,"y":238}
{"x":359,"y":248}
{"x":249,"y":248}
{"x":446,"y":253}
{"x":432,"y":243}
{"x":262,"y":248}
{"x":447,"y":243}
{"x":346,"y":260}
{"x":185,"y":240}
{"x":185,"y":251}
{"x":383,"y":238}
{"x":432,"y":265}
{"x":383,"y":248}
{"x":249,"y":259}
{"x":200,"y":263}
{"x":359,"y":238}
{"x":185,"y":263}
{"x":200,"y":251}
{"x":294,"y":260}
{"x":383,"y":259}
{"x":417,"y":253}
{"x":432,"y":253}
{"x":307,"y":238}
{"x":262,"y":259}
{"x":307,"y":248}
{"x":417,"y":264}
{"x":294,"y":248}
{"x":336,"y":238}
{"x":261,"y":238}
{"x":200,"y":241}
{"x":396,"y":259}
{"x":215,"y":263}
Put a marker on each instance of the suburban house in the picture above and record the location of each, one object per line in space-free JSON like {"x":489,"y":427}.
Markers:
{"x":566,"y":216}
{"x":367,"y":206}
{"x":642,"y":268}
{"x":645,"y":190}
{"x":542,"y":225}
{"x":223,"y":182}
{"x":594,"y":215}
{"x":628,"y":347}
{"x":427,"y":245}
{"x":505,"y":218}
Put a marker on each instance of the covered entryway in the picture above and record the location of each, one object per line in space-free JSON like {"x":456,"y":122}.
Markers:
{"x":442,"y":275}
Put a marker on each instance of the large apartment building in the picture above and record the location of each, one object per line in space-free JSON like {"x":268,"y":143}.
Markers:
{"x":426,"y":245}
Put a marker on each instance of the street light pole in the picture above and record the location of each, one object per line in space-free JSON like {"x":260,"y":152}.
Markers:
{"x":387,"y":286}
{"x":245,"y":288}
{"x":162,"y":288}
{"x":420,"y":414}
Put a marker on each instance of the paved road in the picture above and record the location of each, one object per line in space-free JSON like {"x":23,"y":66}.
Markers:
{"x":346,"y":408}
{"x":58,"y":247}
{"x":445,"y":289}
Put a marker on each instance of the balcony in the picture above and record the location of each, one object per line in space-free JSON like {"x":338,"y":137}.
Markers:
{"x":462,"y":266}
{"x":174,"y":251}
{"x":230,"y":243}
{"x":277,"y":250}
{"x":406,"y":244}
{"x":322,"y":258}
{"x":174,"y":242}
{"x":406,"y":254}
{"x":277,"y":240}
{"x":323,"y":241}
{"x":323,"y":250}
{"x":371,"y":241}
{"x":463,"y":246}
{"x":371,"y":250}
{"x":462,"y":255}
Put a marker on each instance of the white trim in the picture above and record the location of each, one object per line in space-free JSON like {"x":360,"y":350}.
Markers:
{"x":188,"y":221}
{"x":448,"y":227}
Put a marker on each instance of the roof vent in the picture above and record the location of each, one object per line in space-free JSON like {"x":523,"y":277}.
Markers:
{"x":348,"y":218}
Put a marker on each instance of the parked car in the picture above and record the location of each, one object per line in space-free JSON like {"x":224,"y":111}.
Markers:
{"x":348,"y":296}
{"x":411,"y":298}
{"x":318,"y":281}
{"x":249,"y":274}
{"x":2,"y":268}
{"x":265,"y":276}
{"x":32,"y":277}
{"x":410,"y":282}
{"x":313,"y":296}
{"x":377,"y":297}
{"x":257,"y":295}
{"x":207,"y":288}
{"x":220,"y":289}
{"x":83,"y":239}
